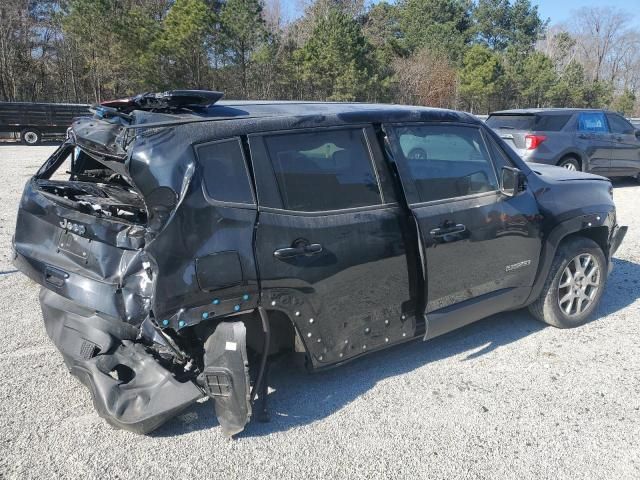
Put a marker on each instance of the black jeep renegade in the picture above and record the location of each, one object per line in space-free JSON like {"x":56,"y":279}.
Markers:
{"x":182,"y":242}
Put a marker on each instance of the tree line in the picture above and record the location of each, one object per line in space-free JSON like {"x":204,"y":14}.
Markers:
{"x":477,"y":55}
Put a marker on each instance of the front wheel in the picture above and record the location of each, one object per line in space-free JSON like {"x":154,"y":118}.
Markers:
{"x":574,"y":285}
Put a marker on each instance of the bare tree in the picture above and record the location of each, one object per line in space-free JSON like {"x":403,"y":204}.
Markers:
{"x":425,"y":78}
{"x":601,"y":34}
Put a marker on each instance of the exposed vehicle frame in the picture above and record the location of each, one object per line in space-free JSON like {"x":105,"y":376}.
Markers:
{"x":157,"y":293}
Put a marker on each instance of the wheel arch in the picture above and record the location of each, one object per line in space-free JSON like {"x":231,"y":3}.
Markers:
{"x":596,"y":227}
{"x":575,"y":155}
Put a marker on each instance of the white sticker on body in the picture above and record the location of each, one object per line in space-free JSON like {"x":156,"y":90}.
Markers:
{"x":233,"y":346}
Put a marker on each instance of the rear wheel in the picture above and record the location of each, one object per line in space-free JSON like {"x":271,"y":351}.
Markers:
{"x":574,"y":285}
{"x":30,"y":136}
{"x":570,"y":163}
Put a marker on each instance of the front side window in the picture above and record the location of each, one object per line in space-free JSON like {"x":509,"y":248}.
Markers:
{"x":225,"y":174}
{"x":619,"y":125}
{"x":323,"y":170}
{"x":446,"y":161}
{"x":592,"y":122}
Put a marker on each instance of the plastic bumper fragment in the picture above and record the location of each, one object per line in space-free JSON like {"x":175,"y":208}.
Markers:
{"x":226,"y":376}
{"x":130,"y":389}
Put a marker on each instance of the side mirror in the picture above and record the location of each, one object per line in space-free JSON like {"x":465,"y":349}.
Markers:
{"x":511,"y":181}
{"x":637,"y":132}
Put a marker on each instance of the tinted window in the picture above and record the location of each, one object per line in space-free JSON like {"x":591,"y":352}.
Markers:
{"x":225,"y":173}
{"x":551,"y":123}
{"x":446,"y":161}
{"x":539,"y":123}
{"x":619,"y":124}
{"x":323,"y":170}
{"x":511,"y":122}
{"x":592,"y":122}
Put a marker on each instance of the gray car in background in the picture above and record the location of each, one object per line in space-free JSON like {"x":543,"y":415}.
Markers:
{"x":593,"y":141}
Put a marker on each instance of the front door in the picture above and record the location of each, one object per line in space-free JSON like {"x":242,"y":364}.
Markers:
{"x":332,"y":247}
{"x":625,"y":155}
{"x":476,"y":241}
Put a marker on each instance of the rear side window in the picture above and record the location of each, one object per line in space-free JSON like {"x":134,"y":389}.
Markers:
{"x":550,"y":123}
{"x":594,"y":122}
{"x":446,"y":161}
{"x":323,"y":170}
{"x":619,"y":124}
{"x":225,"y":174}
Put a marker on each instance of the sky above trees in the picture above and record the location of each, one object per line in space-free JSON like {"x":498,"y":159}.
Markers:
{"x":558,"y":11}
{"x":476,"y":55}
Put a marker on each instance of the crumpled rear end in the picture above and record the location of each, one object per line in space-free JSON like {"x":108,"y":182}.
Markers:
{"x":130,"y":389}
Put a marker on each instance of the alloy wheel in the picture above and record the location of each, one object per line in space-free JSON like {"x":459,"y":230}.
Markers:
{"x":579,"y":284}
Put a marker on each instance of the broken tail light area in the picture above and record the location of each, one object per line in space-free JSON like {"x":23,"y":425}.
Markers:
{"x":531,"y":142}
{"x":82,"y":233}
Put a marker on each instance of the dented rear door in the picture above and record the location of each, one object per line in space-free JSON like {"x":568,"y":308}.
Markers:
{"x":331,"y":243}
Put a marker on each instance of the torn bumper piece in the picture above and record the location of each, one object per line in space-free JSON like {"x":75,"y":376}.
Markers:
{"x":226,"y":376}
{"x":130,"y":389}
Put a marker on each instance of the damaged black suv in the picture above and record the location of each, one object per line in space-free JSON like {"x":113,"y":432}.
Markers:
{"x":182,"y":242}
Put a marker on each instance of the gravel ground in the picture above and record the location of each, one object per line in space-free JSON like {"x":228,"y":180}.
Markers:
{"x":503,"y":398}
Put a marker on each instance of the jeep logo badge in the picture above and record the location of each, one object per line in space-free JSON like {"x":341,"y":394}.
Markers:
{"x":74,"y":227}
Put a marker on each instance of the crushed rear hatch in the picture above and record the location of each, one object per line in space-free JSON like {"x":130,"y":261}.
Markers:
{"x":100,"y":229}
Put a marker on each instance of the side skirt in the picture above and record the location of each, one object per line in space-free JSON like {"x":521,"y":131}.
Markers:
{"x":456,"y":316}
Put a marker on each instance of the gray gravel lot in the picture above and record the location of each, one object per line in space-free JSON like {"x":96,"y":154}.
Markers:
{"x":503,"y":398}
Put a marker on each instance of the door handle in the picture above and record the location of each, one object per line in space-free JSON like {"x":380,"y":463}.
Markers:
{"x":442,"y":231}
{"x":303,"y":250}
{"x":583,"y":135}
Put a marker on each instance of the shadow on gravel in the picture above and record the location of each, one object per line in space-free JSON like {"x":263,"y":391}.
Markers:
{"x":301,"y":398}
{"x":624,"y":182}
{"x":623,"y":288}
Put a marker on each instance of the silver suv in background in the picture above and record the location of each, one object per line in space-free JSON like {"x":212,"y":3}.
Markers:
{"x":593,"y":141}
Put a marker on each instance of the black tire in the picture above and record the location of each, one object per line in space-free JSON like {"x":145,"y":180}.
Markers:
{"x":570,"y":163}
{"x":547,"y":307}
{"x":30,"y":136}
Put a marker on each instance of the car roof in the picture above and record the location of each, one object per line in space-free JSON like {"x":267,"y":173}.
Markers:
{"x":531,"y":111}
{"x":329,"y":113}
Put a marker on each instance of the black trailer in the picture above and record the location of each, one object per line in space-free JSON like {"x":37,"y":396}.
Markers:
{"x":35,"y":121}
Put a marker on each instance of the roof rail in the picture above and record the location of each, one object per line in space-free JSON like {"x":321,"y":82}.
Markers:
{"x":168,"y":101}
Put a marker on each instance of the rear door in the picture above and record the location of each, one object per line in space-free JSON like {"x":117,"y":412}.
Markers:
{"x":593,"y":138}
{"x":625,"y":155}
{"x":332,"y":243}
{"x":477,"y":242}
